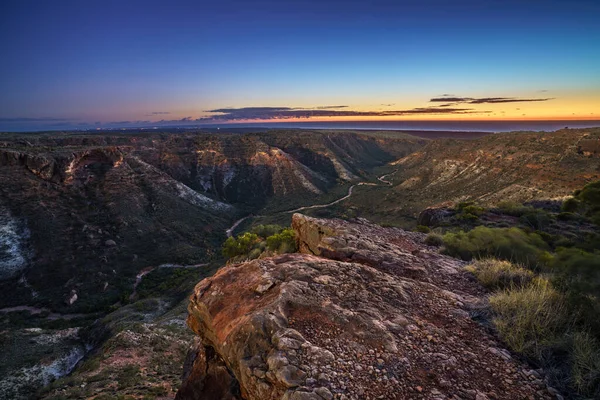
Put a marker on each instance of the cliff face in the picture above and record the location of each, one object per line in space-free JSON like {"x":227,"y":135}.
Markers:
{"x":362,"y":312}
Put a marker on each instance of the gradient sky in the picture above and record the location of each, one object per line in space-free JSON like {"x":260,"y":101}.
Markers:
{"x":125,"y":63}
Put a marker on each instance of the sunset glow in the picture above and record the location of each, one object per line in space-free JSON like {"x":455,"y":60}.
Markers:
{"x":82,"y":65}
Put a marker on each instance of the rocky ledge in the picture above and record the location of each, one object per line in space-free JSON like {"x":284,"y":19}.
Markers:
{"x":363,"y":312}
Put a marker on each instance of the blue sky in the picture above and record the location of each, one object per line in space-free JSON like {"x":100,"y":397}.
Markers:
{"x":78,"y":63}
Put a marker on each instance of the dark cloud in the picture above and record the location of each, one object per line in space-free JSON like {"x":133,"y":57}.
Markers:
{"x":159,"y":113}
{"x":270,"y":113}
{"x":448,"y":105}
{"x":484,"y":100}
{"x":450,"y":99}
{"x":492,"y":100}
{"x":330,"y":107}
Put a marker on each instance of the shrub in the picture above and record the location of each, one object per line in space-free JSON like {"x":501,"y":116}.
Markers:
{"x":585,"y":364}
{"x":564,"y":242}
{"x":536,"y":219}
{"x":433,"y":239}
{"x":578,"y":271}
{"x":497,"y":274}
{"x":504,"y":243}
{"x":265,"y":231}
{"x":570,"y":205}
{"x":250,"y":245}
{"x":468,"y":211}
{"x":463,"y":204}
{"x":241,"y":245}
{"x":590,"y":194}
{"x":473,"y":210}
{"x":254,"y":253}
{"x":467,"y":217}
{"x":423,"y":229}
{"x":512,"y":208}
{"x":589,"y":201}
{"x":531,"y":319}
{"x":566,"y":216}
{"x":284,"y":242}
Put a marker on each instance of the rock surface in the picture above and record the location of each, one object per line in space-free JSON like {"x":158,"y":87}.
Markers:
{"x":364,"y":312}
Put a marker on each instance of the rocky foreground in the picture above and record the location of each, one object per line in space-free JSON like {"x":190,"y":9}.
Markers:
{"x":364,"y":312}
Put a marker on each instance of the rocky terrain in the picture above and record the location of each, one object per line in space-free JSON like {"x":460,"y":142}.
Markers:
{"x":86,"y":220}
{"x":363,"y":312}
{"x":103,"y":236}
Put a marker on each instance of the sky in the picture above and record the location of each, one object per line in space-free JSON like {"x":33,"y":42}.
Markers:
{"x":82,"y":64}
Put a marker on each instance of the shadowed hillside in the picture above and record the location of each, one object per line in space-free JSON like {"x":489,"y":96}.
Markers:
{"x":518,"y":166}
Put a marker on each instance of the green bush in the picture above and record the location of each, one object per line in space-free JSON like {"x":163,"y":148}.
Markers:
{"x":577,"y":271}
{"x":468,"y":211}
{"x":467,"y":217}
{"x":473,"y":210}
{"x":251,"y":245}
{"x":254,"y":253}
{"x":284,"y":242}
{"x":423,"y":229}
{"x":513,"y":208}
{"x":241,"y":245}
{"x":433,"y":239}
{"x":510,"y":244}
{"x":464,"y":204}
{"x":590,"y":194}
{"x":535,"y":219}
{"x":264,"y":231}
{"x":498,"y":274}
{"x":570,"y":205}
{"x":589,"y":201}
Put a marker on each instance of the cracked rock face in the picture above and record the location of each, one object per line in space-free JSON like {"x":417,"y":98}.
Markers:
{"x":363,"y":312}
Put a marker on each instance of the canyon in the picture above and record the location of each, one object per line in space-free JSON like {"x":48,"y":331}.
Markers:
{"x":103,"y":236}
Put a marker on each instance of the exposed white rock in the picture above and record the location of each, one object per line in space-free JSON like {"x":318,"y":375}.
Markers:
{"x":12,"y":250}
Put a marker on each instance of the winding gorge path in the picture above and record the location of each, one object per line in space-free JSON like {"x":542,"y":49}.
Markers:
{"x":229,"y":231}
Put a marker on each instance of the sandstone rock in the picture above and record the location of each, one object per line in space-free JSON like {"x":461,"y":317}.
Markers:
{"x":434,"y":216}
{"x":358,"y":313}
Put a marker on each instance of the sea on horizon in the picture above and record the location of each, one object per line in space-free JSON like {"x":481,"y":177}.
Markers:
{"x":458,"y":126}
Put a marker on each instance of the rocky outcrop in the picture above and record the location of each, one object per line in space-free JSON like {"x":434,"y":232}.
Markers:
{"x":435,"y":216}
{"x":59,"y":167}
{"x":362,"y":312}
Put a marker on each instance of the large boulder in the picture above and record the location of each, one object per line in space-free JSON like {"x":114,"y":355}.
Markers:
{"x":363,"y":312}
{"x":435,"y":216}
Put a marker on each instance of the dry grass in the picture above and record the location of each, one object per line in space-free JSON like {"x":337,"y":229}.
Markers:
{"x":586,"y":364}
{"x":531,"y":319}
{"x":536,"y":320}
{"x":497,"y":274}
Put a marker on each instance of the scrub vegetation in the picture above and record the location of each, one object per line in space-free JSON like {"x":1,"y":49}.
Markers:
{"x":260,"y":241}
{"x":545,"y":298}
